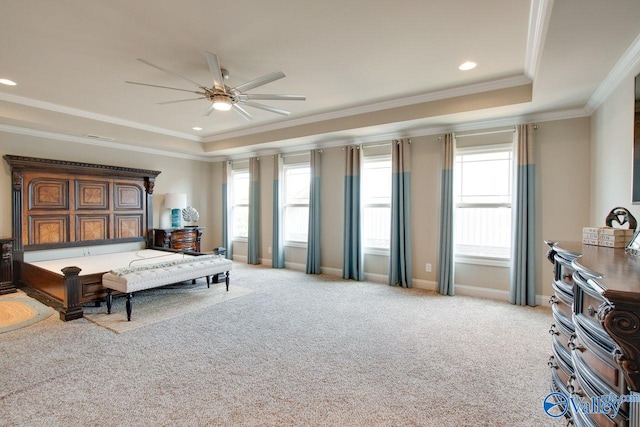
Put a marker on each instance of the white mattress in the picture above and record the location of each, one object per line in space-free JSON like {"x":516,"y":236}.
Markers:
{"x":92,"y":264}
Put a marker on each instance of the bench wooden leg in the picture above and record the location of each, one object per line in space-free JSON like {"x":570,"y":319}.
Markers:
{"x":208,"y":281}
{"x":226,"y":280}
{"x":129,"y":303}
{"x":109,"y":301}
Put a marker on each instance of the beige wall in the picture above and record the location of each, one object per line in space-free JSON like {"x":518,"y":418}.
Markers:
{"x":612,"y":152}
{"x":563,"y":188}
{"x":177,"y":175}
{"x":563,"y":194}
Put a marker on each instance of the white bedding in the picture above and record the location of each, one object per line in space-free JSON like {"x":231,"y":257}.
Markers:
{"x":92,"y":264}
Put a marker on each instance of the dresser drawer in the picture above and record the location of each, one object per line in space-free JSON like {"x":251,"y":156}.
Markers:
{"x":561,"y":362}
{"x":564,"y":323}
{"x":599,"y":359}
{"x":563,"y":300}
{"x":185,"y":246}
{"x":589,"y":386}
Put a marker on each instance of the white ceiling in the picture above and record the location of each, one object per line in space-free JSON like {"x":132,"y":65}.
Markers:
{"x":368,"y":68}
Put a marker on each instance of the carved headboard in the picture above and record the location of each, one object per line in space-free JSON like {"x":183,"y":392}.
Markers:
{"x":58,"y":204}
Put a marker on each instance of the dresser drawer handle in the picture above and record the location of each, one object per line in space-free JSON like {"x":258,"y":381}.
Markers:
{"x":573,"y":346}
{"x":571,"y":388}
{"x":553,"y":300}
{"x":553,"y":331}
{"x":592,"y":311}
{"x":567,"y":276}
{"x":552,"y":362}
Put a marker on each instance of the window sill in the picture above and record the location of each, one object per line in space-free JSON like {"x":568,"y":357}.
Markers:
{"x":376,"y":251}
{"x":476,"y":260}
{"x":292,"y":244}
{"x":240,"y":239}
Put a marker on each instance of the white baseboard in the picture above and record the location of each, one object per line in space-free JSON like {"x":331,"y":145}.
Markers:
{"x":295,"y":266}
{"x":472,"y":291}
{"x":240,"y":258}
{"x":331,"y":271}
{"x":425,"y":284}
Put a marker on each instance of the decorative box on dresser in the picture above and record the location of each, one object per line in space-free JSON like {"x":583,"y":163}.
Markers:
{"x":185,"y":239}
{"x":595,"y":330}
{"x":6,"y":266}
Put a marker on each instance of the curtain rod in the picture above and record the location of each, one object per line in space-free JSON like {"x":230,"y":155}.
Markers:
{"x":484,"y":133}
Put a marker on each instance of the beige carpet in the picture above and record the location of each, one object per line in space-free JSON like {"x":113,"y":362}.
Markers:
{"x":157,"y":305}
{"x":299,"y":350}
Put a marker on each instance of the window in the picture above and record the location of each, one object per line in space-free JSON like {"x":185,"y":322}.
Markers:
{"x":240,"y":203}
{"x":376,"y":202}
{"x":483,"y":186}
{"x":297,"y":180}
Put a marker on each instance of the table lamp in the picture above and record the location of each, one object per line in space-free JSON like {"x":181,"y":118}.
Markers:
{"x":175,"y":202}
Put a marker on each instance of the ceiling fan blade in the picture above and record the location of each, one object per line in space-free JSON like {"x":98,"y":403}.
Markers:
{"x":166,"y":87}
{"x":208,"y":110}
{"x":268,"y":78}
{"x":242,"y":112}
{"x":267,"y":108}
{"x":269,"y":97}
{"x":180,"y":100}
{"x":171,"y":72}
{"x":214,"y":67}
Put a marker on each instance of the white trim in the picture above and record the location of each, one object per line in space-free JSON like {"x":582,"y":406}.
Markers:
{"x":96,"y":142}
{"x":239,"y":258}
{"x":539,"y":17}
{"x":377,"y":278}
{"x":296,"y":266}
{"x":330,"y":271}
{"x":627,"y":63}
{"x":94,"y":116}
{"x":375,"y":251}
{"x":478,"y":292}
{"x":491,"y":262}
{"x":267,"y":262}
{"x":294,"y":244}
{"x":428,"y":285}
{"x":401,"y":102}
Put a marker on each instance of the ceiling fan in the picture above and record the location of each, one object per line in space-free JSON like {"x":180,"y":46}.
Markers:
{"x":223,"y":97}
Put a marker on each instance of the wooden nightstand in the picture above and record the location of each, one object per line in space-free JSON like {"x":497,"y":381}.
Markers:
{"x":185,"y":239}
{"x":6,"y":266}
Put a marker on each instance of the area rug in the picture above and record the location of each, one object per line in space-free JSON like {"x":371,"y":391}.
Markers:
{"x":157,"y":305}
{"x":19,"y":311}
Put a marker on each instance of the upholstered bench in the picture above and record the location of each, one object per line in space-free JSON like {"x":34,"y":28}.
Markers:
{"x":132,"y":279}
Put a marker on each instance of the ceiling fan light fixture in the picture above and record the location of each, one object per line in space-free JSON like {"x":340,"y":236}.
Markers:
{"x":221,"y":103}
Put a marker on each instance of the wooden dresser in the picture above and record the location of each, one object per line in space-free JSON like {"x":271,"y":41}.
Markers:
{"x":596,"y":330}
{"x":185,"y":239}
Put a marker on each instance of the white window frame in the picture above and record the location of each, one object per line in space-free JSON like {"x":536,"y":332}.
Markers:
{"x":478,"y":259}
{"x":235,"y":172}
{"x":374,"y":250}
{"x":285,"y":204}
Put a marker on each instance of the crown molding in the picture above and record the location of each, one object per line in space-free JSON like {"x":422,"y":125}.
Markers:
{"x":93,"y":116}
{"x":92,"y":141}
{"x":539,"y":17}
{"x":418,"y":132}
{"x":385,"y":105}
{"x":628,"y":63}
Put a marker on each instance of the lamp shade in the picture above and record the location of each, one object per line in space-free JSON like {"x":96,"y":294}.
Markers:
{"x":175,"y":201}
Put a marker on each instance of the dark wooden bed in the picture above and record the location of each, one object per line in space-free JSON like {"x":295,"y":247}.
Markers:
{"x":58,"y":205}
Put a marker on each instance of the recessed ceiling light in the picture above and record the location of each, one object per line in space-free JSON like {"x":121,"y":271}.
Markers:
{"x":469,"y":65}
{"x":196,"y":128}
{"x":8,"y":82}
